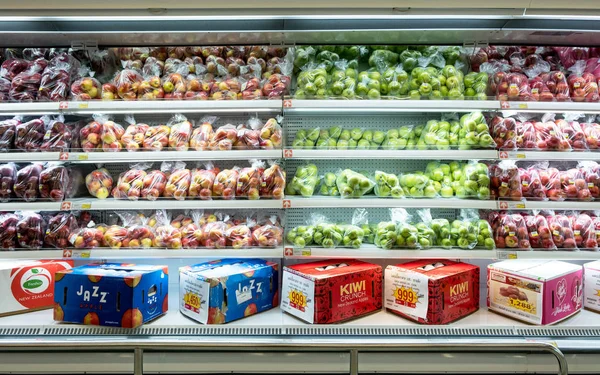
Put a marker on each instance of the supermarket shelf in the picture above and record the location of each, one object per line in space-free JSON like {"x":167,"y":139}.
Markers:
{"x":297,"y":106}
{"x":142,"y":253}
{"x":115,"y":204}
{"x":551,"y":255}
{"x":551,"y":106}
{"x":548,"y":205}
{"x":391,"y":154}
{"x":194,"y":106}
{"x":368,"y":202}
{"x":549,"y":155}
{"x":118,"y":157}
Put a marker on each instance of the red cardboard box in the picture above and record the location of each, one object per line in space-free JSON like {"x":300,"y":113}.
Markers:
{"x":331,"y":291}
{"x":432,"y":291}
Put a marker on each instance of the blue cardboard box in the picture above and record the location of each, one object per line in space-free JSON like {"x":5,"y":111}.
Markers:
{"x":111,"y":294}
{"x":221,"y":291}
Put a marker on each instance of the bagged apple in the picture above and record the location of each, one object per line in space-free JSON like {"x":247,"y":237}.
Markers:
{"x":25,"y":85}
{"x":90,"y":136}
{"x":127,"y":82}
{"x":99,"y":183}
{"x":511,"y":232}
{"x":387,"y":185}
{"x":154,"y":184}
{"x":584,"y":230}
{"x":312,"y":82}
{"x":191,"y":232}
{"x":114,"y":236}
{"x":248,"y":136}
{"x":56,"y":78}
{"x":30,"y":134}
{"x":550,"y":86}
{"x":240,"y":236}
{"x":8,"y":231}
{"x":224,"y":138}
{"x":591,"y":173}
{"x":134,"y":136}
{"x":60,"y":228}
{"x":591,"y":130}
{"x":202,"y":182}
{"x":8,"y":175}
{"x":151,"y":87}
{"x":202,"y":136}
{"x":26,"y":184}
{"x":583,"y":84}
{"x":551,"y":182}
{"x":573,"y":132}
{"x":249,"y":180}
{"x":109,"y":91}
{"x":538,"y":229}
{"x":407,"y":234}
{"x":272,"y":182}
{"x":353,"y":184}
{"x":527,"y":136}
{"x":562,"y":232}
{"x":12,"y":67}
{"x":304,"y":181}
{"x":504,"y":132}
{"x":306,"y":139}
{"x":178,"y":182}
{"x":474,"y":132}
{"x":531,"y":184}
{"x":181,"y":129}
{"x":268,"y":233}
{"x":88,"y":237}
{"x":181,"y":220}
{"x":514,"y":87}
{"x":550,"y":136}
{"x":574,"y":184}
{"x":301,"y":236}
{"x":8,"y":129}
{"x":30,"y":230}
{"x":325,"y":233}
{"x":139,"y":234}
{"x":87,"y":87}
{"x":157,"y":138}
{"x":110,"y":133}
{"x":505,"y":180}
{"x":54,"y":182}
{"x":198,"y":87}
{"x":166,"y":236}
{"x":328,"y":138}
{"x":213,"y":234}
{"x":58,"y":136}
{"x":225,"y":183}
{"x":130,"y":183}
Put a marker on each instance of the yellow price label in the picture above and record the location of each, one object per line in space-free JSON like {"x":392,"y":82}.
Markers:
{"x":297,"y":299}
{"x":522,"y":305}
{"x":86,"y":206}
{"x":306,"y":252}
{"x":521,"y":156}
{"x":192,"y":299}
{"x":83,"y":105}
{"x":85,"y":254}
{"x":523,"y":106}
{"x":406,"y":296}
{"x":82,"y":157}
{"x":598,"y":293}
{"x":512,"y":256}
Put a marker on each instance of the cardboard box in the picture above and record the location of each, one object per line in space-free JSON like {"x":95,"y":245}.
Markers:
{"x":432,"y":291}
{"x":331,"y":291}
{"x":535,"y":291}
{"x":221,"y":291}
{"x":28,"y":285}
{"x":111,"y":294}
{"x":591,"y":284}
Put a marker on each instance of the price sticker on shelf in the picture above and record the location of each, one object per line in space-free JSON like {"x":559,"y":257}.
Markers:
{"x":502,"y":254}
{"x":82,"y":157}
{"x":513,"y":105}
{"x":66,"y":206}
{"x":287,"y":153}
{"x":287,"y":103}
{"x":72,"y":253}
{"x":63,"y":105}
{"x":511,"y":155}
{"x":63,"y":156}
{"x":286,"y":203}
{"x":83,"y":105}
{"x":510,"y":205}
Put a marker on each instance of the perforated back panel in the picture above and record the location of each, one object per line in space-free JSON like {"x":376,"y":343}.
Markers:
{"x":359,"y":165}
{"x":293,"y":123}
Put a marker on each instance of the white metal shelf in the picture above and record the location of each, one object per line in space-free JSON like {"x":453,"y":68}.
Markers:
{"x":548,"y":205}
{"x":124,"y":156}
{"x":555,"y":107}
{"x":158,"y":106}
{"x":142,"y":253}
{"x":391,"y":154}
{"x":549,"y":155}
{"x":368,"y":202}
{"x":294,"y":106}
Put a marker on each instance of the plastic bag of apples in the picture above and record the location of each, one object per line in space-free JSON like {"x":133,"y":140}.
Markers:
{"x":8,"y":231}
{"x":60,"y":228}
{"x":130,"y":183}
{"x":202,"y":181}
{"x":203,"y":134}
{"x":133,"y":138}
{"x":139,"y":233}
{"x":166,"y":235}
{"x":178,"y":182}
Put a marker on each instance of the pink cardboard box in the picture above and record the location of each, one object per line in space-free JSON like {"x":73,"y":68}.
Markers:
{"x":535,"y":291}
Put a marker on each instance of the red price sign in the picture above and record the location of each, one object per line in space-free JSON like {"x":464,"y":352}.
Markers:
{"x":63,"y":105}
{"x":503,"y":205}
{"x":288,"y":251}
{"x":287,"y":203}
{"x":503,"y":155}
{"x":406,"y":296}
{"x":63,"y":156}
{"x":66,"y":206}
{"x":67,"y":253}
{"x":504,"y":105}
{"x":287,"y":103}
{"x":287,"y":153}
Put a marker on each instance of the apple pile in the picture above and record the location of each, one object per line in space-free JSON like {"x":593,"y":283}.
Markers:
{"x":8,"y":231}
{"x":181,"y":130}
{"x":437,"y":84}
{"x":549,"y":87}
{"x":8,"y":174}
{"x":510,"y":230}
{"x":248,"y":138}
{"x":590,"y":129}
{"x":538,"y":230}
{"x":90,"y":136}
{"x":476,"y":85}
{"x":249,"y":181}
{"x":352,"y":184}
{"x":224,"y":138}
{"x":127,"y":82}
{"x":139,"y":235}
{"x":304,"y":181}
{"x":99,"y":183}
{"x":505,"y":180}
{"x":202,"y":135}
{"x":202,"y":182}
{"x":27,"y":181}
{"x":58,"y":136}
{"x":166,"y":236}
{"x":114,"y":236}
{"x":54,"y":182}
{"x":59,"y":230}
{"x":238,"y":236}
{"x":353,"y":236}
{"x":214,"y":235}
{"x":531,"y":184}
{"x":563,"y":235}
{"x":584,"y":230}
{"x":271,"y":134}
{"x":386,"y":236}
{"x":30,"y":230}
{"x":312,"y":83}
{"x":88,"y":238}
{"x":269,"y":234}
{"x":110,"y":134}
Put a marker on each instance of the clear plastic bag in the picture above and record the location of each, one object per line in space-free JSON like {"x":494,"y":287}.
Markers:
{"x":30,"y":230}
{"x":114,"y":236}
{"x":214,"y":235}
{"x":304,"y":181}
{"x":325,"y":234}
{"x":30,"y":134}
{"x":504,"y":132}
{"x":527,"y":138}
{"x":130,"y":183}
{"x":54,"y":182}
{"x":225,"y":183}
{"x":511,"y":232}
{"x":56,"y":80}
{"x":387,"y":185}
{"x":573,"y":133}
{"x":90,"y":136}
{"x":474,"y":132}
{"x":574,"y":184}
{"x":88,"y":237}
{"x":86,"y":88}
{"x":240,"y":236}
{"x":224,"y":138}
{"x":540,"y":236}
{"x":584,"y":230}
{"x":157,"y":137}
{"x":127,"y":82}
{"x":134,"y":136}
{"x":8,"y":130}
{"x":179,"y":181}
{"x":58,"y":136}
{"x":551,"y":182}
{"x":562,"y":232}
{"x":8,"y":231}
{"x":202,"y":135}
{"x":407,"y":234}
{"x":202,"y":182}
{"x":272,"y":182}
{"x":352,"y":184}
{"x":154,"y":185}
{"x":550,"y":86}
{"x":591,"y":174}
{"x":353,"y":234}
{"x":249,"y":180}
{"x":60,"y":228}
{"x":306,"y":139}
{"x":505,"y":180}
{"x":26,"y":184}
{"x":268,"y":232}
{"x":11,"y":67}
{"x":110,"y":133}
{"x":271,"y":134}
{"x":99,"y":183}
{"x":328,"y":138}
{"x":166,"y":236}
{"x":514,"y":87}
{"x":582,"y":83}
{"x":248,"y":137}
{"x":8,"y":176}
{"x":25,"y":85}
{"x":311,"y":82}
{"x":531,"y":184}
{"x":328,"y":185}
{"x":139,"y":234}
{"x":192,"y":236}
{"x":549,"y":135}
{"x":343,"y":80}
{"x":591,"y":130}
{"x":181,"y":130}
{"x":425,"y":235}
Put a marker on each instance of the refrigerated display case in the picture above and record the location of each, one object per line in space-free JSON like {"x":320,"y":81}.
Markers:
{"x":339,"y":202}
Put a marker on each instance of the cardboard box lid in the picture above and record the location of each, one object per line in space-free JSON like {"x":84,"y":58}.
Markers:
{"x":115,"y":269}
{"x":317,"y":271}
{"x":225,"y":267}
{"x":449,"y":267}
{"x":536,"y":269}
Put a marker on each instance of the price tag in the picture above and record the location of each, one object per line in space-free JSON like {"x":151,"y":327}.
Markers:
{"x":512,"y":155}
{"x":66,"y":206}
{"x":298,"y":296}
{"x":509,"y":205}
{"x":287,"y":203}
{"x":83,"y":105}
{"x":287,"y":103}
{"x":82,"y":157}
{"x":512,"y":105}
{"x":63,"y":156}
{"x":501,"y":254}
{"x":503,"y":155}
{"x":194,"y":295}
{"x":192,"y":301}
{"x":406,"y":296}
{"x":297,"y":300}
{"x":63,"y":105}
{"x":287,"y":153}
{"x":289,"y":251}
{"x":72,"y":253}
{"x":81,"y":205}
